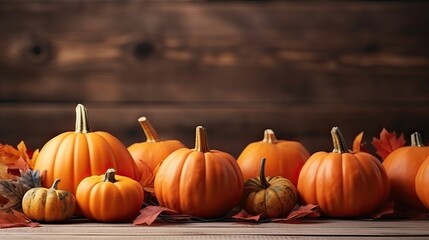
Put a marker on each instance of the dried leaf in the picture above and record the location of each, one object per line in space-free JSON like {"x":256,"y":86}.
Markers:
{"x":14,"y":190}
{"x":387,"y":143}
{"x":243,"y":215}
{"x":149,"y":214}
{"x":299,"y":211}
{"x":28,"y":156}
{"x":15,"y":219}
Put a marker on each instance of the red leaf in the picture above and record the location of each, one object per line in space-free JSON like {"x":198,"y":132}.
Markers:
{"x":15,"y":219}
{"x":299,"y":211}
{"x":387,"y":143}
{"x":149,"y":214}
{"x":243,"y":215}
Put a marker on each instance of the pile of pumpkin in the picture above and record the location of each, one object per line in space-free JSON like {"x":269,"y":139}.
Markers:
{"x":104,"y":181}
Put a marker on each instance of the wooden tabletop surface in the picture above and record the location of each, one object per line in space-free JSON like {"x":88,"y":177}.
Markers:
{"x":307,"y":228}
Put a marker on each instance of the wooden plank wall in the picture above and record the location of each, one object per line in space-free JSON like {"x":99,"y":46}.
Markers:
{"x":237,"y":68}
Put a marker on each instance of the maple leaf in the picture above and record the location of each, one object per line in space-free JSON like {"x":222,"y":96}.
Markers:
{"x":387,"y":143}
{"x":149,"y":214}
{"x":15,"y":219}
{"x":14,"y":189}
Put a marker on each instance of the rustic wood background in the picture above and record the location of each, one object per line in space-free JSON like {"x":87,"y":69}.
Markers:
{"x":237,"y":68}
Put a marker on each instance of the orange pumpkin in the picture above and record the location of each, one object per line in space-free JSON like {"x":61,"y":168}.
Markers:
{"x":109,"y":197}
{"x":343,"y":183}
{"x":148,"y":155}
{"x":201,"y":182}
{"x":286,"y":157}
{"x":401,"y":167}
{"x":422,"y":183}
{"x":72,"y":156}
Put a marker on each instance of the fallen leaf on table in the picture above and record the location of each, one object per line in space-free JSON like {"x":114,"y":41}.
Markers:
{"x":387,"y":143}
{"x":15,"y":219}
{"x":149,"y":214}
{"x":308,"y":210}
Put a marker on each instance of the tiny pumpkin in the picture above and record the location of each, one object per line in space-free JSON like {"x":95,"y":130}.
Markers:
{"x":343,"y":183}
{"x":401,"y":167}
{"x":200,"y":182}
{"x":271,"y":197}
{"x":422,"y":183}
{"x":109,"y":197}
{"x":149,"y":154}
{"x":286,"y":157}
{"x":74,"y":155}
{"x":48,"y":205}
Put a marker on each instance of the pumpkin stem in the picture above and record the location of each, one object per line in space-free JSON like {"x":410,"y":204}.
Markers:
{"x":82,"y":123}
{"x":262,"y":178}
{"x":55,"y":184}
{"x":269,"y":136}
{"x":338,"y":141}
{"x":201,"y":143}
{"x":416,"y":140}
{"x":109,"y":176}
{"x":149,"y":131}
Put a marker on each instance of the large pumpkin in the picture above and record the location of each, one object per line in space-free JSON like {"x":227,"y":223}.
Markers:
{"x":343,"y":183}
{"x":401,"y":167}
{"x":286,"y":158}
{"x":72,"y":156}
{"x":149,"y":154}
{"x":422,"y":183}
{"x":201,"y":182}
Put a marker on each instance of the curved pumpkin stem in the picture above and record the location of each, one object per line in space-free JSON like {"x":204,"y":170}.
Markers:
{"x":201,"y":143}
{"x":149,"y":131}
{"x":416,"y":140}
{"x":262,"y":178}
{"x":269,"y":136}
{"x":338,"y":141}
{"x":109,"y":176}
{"x":55,"y":184}
{"x":82,"y":123}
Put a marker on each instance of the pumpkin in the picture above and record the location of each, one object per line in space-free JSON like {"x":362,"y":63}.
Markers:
{"x":200,"y":182}
{"x":401,"y":167}
{"x":422,"y":183}
{"x":149,"y":154}
{"x":286,"y":157}
{"x":271,"y":197}
{"x":74,"y":155}
{"x":109,"y":197}
{"x":343,"y":183}
{"x":48,"y":205}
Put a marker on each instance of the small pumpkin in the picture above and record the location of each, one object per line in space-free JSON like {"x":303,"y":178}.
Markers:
{"x":48,"y":205}
{"x":286,"y":157}
{"x":401,"y":167}
{"x":271,"y":197}
{"x":422,"y":183}
{"x":343,"y":183}
{"x":109,"y":197}
{"x":200,"y":182}
{"x":74,"y":155}
{"x":152,"y":152}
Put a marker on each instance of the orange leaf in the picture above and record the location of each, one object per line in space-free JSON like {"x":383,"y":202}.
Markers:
{"x":387,"y":143}
{"x":149,"y":214}
{"x":15,"y":219}
{"x":243,"y":215}
{"x":357,"y":142}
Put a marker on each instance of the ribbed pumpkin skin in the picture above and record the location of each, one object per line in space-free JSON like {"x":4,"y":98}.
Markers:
{"x":106,"y":201}
{"x":200,"y":182}
{"x":48,"y":205}
{"x":401,"y":167}
{"x":342,"y":183}
{"x":72,"y":156}
{"x":286,"y":158}
{"x":422,"y":183}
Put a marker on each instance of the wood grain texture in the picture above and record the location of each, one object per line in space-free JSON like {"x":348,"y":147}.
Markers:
{"x":237,"y":68}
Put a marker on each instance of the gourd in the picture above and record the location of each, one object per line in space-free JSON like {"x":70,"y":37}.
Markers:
{"x":48,"y":205}
{"x":422,"y":183}
{"x":343,"y":183}
{"x":271,"y":197}
{"x":149,"y":154}
{"x":109,"y":197}
{"x":200,"y":182}
{"x":401,"y":167}
{"x":286,"y":157}
{"x":72,"y":156}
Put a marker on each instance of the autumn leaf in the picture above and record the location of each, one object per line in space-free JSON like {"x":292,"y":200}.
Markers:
{"x":14,"y":189}
{"x":387,"y":143}
{"x":243,"y":215}
{"x":150,"y":213}
{"x":357,"y":142}
{"x":299,"y":211}
{"x":15,"y":219}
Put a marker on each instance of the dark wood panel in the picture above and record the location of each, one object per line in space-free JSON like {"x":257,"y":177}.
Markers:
{"x":229,"y":128}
